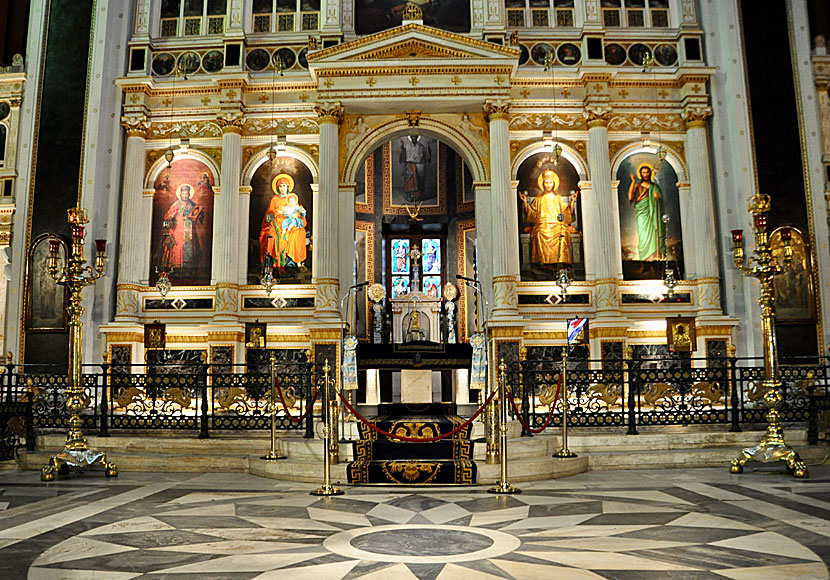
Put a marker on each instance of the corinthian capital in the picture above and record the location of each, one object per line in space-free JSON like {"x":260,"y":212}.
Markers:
{"x":136,"y":125}
{"x":696,"y":116}
{"x":597,"y":116}
{"x":329,"y":112}
{"x":494,"y":110}
{"x":231,"y":122}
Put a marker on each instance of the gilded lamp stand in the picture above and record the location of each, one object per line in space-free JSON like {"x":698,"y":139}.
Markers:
{"x":765,"y":267}
{"x":76,"y":453}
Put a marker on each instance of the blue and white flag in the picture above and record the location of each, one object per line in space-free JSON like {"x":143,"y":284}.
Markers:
{"x":478,"y":372}
{"x":577,"y":331}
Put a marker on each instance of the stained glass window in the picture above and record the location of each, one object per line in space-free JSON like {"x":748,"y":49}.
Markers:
{"x":400,"y":257}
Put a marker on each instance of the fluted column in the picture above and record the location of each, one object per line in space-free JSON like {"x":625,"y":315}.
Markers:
{"x":602,"y":241}
{"x":132,"y":265}
{"x":701,"y":206}
{"x":504,"y":234}
{"x":326,"y":274}
{"x":225,"y":217}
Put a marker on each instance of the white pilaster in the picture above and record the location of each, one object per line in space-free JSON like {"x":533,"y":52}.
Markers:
{"x":327,"y":274}
{"x":242,"y":223}
{"x":224,"y":267}
{"x":504,"y":234}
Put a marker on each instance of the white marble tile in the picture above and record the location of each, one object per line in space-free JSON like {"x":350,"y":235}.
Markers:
{"x":391,"y":513}
{"x":491,"y":517}
{"x":56,"y":574}
{"x":786,"y":515}
{"x":547,"y":499}
{"x":587,"y":531}
{"x":292,"y":501}
{"x":619,"y":507}
{"x":333,"y":571}
{"x":245,"y":563}
{"x":605,"y":561}
{"x":548,"y":522}
{"x":456,"y":572}
{"x":339,"y":517}
{"x":214,"y":496}
{"x":130,"y":526}
{"x":235,"y":547}
{"x":649,"y":495}
{"x":396,"y":571}
{"x":445,"y":513}
{"x":377,"y":497}
{"x":710,"y":491}
{"x":51,"y":522}
{"x":77,"y":548}
{"x":612,"y":544}
{"x":528,"y":571}
{"x":252,"y":534}
{"x":4,"y":505}
{"x":698,"y":520}
{"x":291,"y":524}
{"x":769,"y":543}
{"x":219,"y":509}
{"x":800,"y":571}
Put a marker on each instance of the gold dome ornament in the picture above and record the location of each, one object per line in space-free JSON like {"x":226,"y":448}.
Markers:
{"x":376,"y":292}
{"x":450,"y":292}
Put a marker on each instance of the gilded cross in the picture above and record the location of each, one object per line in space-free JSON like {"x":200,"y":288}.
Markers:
{"x":167,"y":102}
{"x":663,"y":94}
{"x":371,"y":81}
{"x":231,"y":94}
{"x":134,"y":98}
{"x":498,"y":79}
{"x":304,"y":97}
{"x":623,"y":93}
{"x":329,"y":83}
{"x":598,"y":87}
{"x":206,"y":100}
{"x":566,"y":92}
{"x":456,"y":80}
{"x":525,"y":92}
{"x":413,"y":80}
{"x":263,"y":98}
{"x":695,"y":89}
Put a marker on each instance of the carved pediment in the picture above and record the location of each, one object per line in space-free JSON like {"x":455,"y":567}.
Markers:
{"x":413,"y":48}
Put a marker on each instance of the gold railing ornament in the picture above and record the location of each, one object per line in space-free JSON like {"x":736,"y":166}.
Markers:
{"x":764,"y":266}
{"x":502,"y":486}
{"x":327,"y":488}
{"x":76,"y":453}
{"x":273,"y":454}
{"x":564,"y":452}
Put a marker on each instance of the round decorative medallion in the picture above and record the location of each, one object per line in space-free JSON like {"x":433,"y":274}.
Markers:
{"x":450,"y":292}
{"x":376,"y":292}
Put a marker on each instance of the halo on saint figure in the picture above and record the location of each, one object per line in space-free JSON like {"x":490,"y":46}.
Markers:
{"x":649,"y":165}
{"x":541,"y":180}
{"x":282,"y":177}
{"x":182,"y":186}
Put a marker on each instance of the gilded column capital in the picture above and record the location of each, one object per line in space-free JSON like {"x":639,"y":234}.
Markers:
{"x":696,"y":116}
{"x":231,"y":122}
{"x":15,"y":102}
{"x":494,"y":110}
{"x":329,"y":113}
{"x":136,"y":126}
{"x":597,"y":116}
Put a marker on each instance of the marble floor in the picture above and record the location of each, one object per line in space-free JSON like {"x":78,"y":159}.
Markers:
{"x":626,"y":525}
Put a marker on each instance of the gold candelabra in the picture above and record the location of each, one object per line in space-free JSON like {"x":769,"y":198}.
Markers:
{"x":765,"y":267}
{"x":76,"y":453}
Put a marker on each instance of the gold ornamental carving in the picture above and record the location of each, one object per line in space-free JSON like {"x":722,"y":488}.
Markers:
{"x":547,"y":122}
{"x":696,"y":116}
{"x":214,"y":153}
{"x":412,"y":12}
{"x":413,"y":118}
{"x":231,"y":123}
{"x":281,"y":126}
{"x":413,"y":48}
{"x":248,"y":152}
{"x":329,"y":113}
{"x":598,"y":117}
{"x":136,"y":126}
{"x":496,"y":110}
{"x":184,"y":129}
{"x":644,"y":122}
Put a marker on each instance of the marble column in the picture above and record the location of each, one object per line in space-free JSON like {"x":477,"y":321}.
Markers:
{"x":133,"y":257}
{"x":602,"y":241}
{"x":702,"y":211}
{"x":242,"y":224}
{"x":326,"y":269}
{"x":225,"y":217}
{"x":504,"y":233}
{"x":589,"y":225}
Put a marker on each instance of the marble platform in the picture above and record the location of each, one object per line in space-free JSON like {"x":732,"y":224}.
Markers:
{"x":677,"y":524}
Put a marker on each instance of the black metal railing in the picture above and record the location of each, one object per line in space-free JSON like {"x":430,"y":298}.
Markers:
{"x":657,"y":391}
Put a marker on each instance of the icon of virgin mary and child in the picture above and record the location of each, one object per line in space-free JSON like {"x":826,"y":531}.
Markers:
{"x":282,"y":237}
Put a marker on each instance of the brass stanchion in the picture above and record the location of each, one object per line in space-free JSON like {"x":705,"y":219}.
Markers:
{"x":327,"y":488}
{"x":772,"y":446}
{"x":503,"y":486}
{"x":491,"y":420}
{"x":564,"y":452}
{"x":76,"y":453}
{"x":273,"y":455}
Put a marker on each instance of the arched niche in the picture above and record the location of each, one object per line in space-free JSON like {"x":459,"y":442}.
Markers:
{"x":280,"y":215}
{"x":568,"y":153}
{"x":650,"y":217}
{"x":161,"y":164}
{"x":181,"y":235}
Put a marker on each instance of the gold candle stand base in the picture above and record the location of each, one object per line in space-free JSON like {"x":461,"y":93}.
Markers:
{"x":504,"y":488}
{"x":564,"y":454}
{"x":327,"y":489}
{"x":771,"y":448}
{"x":273,"y":456}
{"x":79,"y":460}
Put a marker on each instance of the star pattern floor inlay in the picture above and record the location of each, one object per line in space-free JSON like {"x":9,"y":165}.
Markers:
{"x":689,"y":523}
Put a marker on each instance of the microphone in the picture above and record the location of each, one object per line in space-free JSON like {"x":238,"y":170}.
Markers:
{"x":357,"y":286}
{"x":460,"y":277}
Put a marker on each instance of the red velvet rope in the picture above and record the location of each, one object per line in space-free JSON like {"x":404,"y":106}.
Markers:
{"x":285,"y":407}
{"x":550,"y":415}
{"x":416,"y":439}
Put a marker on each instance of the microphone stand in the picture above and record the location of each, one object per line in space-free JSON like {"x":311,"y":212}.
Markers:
{"x":351,"y":294}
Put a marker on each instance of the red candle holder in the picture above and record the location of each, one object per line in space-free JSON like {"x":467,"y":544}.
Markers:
{"x":737,"y":236}
{"x":760,"y":221}
{"x":101,"y":246}
{"x":78,"y":232}
{"x":54,"y":245}
{"x":786,"y":235}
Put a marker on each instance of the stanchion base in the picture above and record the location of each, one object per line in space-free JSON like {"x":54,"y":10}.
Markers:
{"x":78,"y":460}
{"x":273,"y":456}
{"x":327,"y":490}
{"x":504,"y":488}
{"x":564,"y":454}
{"x":770,"y":451}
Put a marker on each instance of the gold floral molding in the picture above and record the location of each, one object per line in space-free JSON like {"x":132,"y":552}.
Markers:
{"x":329,"y":112}
{"x":137,"y":126}
{"x":190,"y":129}
{"x":547,"y":121}
{"x":413,"y":48}
{"x":281,"y":126}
